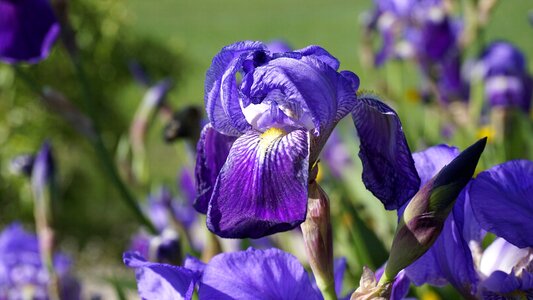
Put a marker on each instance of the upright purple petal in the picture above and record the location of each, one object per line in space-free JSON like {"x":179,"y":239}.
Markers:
{"x":388,"y":168}
{"x":278,"y":46}
{"x":262,"y":188}
{"x":429,"y":162}
{"x":160,"y":281}
{"x":212,"y":151}
{"x":321,"y":54}
{"x":256,"y":274}
{"x":28,"y":29}
{"x":306,"y":85}
{"x":502,"y":202}
{"x":221,"y":93}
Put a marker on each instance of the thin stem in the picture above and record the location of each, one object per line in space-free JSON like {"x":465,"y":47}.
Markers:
{"x":102,"y":152}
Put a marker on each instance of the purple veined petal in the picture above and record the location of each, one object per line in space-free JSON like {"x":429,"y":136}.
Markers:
{"x":502,"y":202}
{"x":221,"y":93}
{"x":28,"y":29}
{"x":388,"y":167}
{"x":212,"y":150}
{"x":256,"y":274}
{"x":160,"y":281}
{"x":347,"y":86}
{"x":262,"y":188}
{"x":429,"y":162}
{"x":400,"y":286}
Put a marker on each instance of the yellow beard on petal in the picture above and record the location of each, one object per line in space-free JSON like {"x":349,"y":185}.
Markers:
{"x":269,"y":136}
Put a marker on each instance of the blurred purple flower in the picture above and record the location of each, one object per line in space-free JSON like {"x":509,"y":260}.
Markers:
{"x":21,"y":269}
{"x":336,"y":155}
{"x":504,"y":70}
{"x":43,"y":171}
{"x":28,"y":29}
{"x":250,"y":184}
{"x":250,"y":274}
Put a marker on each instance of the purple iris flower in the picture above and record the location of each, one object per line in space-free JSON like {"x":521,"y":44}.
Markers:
{"x":504,"y":70}
{"x":250,"y":274}
{"x":497,"y":200}
{"x":28,"y":29}
{"x":266,"y":131}
{"x":22,"y":272}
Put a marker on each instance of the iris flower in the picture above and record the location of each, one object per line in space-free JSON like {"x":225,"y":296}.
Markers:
{"x":270,"y":115}
{"x":28,"y":29}
{"x":250,"y":274}
{"x":22,"y":274}
{"x":497,"y":200}
{"x":508,"y":83}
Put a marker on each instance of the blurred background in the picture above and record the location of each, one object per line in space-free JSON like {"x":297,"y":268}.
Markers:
{"x":176,"y":39}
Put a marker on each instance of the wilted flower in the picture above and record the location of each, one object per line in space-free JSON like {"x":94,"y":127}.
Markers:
{"x":22,"y":273}
{"x":276,"y":122}
{"x":28,"y":29}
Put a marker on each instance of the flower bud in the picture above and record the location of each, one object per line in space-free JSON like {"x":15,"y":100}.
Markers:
{"x":318,"y":238}
{"x":424,"y":217}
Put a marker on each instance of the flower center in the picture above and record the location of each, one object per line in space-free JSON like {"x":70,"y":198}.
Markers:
{"x":270,"y":135}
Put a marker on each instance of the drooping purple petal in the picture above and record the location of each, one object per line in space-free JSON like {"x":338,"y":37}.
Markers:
{"x":502,"y":202}
{"x":221,"y":93}
{"x":28,"y":29}
{"x":256,"y":274}
{"x":160,"y":281}
{"x":388,"y":168}
{"x":262,"y":188}
{"x":212,"y":151}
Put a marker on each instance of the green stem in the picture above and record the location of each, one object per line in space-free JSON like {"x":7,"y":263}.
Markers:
{"x":328,"y":291}
{"x":102,"y":152}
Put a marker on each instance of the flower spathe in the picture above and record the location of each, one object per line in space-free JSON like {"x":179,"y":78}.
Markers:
{"x":28,"y":29}
{"x":266,"y":131}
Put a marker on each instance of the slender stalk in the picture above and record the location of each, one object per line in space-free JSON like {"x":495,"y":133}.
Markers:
{"x":102,"y":152}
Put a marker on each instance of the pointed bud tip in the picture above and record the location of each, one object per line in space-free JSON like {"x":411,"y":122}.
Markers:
{"x":463,"y":166}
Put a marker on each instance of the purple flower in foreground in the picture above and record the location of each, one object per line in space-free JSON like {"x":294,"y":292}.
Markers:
{"x":28,"y":29}
{"x":258,"y":154}
{"x":22,"y":274}
{"x":499,"y":199}
{"x":250,"y":274}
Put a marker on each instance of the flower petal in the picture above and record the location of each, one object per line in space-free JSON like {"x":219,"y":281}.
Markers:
{"x":388,"y":168}
{"x":212,"y":151}
{"x":320,"y":54}
{"x":256,"y":274}
{"x":221,"y":93}
{"x":28,"y":30}
{"x":262,"y":188}
{"x":502,"y":202}
{"x":160,"y":281}
{"x":429,"y":162}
